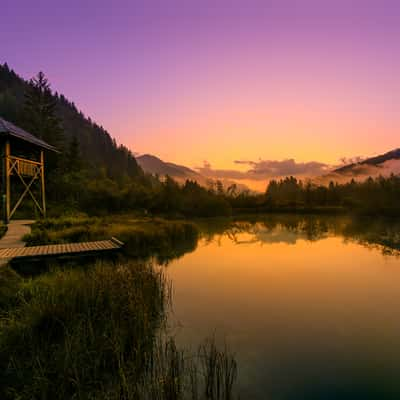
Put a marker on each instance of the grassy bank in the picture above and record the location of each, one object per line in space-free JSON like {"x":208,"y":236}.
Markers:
{"x":95,"y":333}
{"x":76,"y":332}
{"x":143,"y":237}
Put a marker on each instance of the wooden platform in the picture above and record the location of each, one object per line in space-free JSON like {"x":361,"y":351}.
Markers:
{"x":55,"y":250}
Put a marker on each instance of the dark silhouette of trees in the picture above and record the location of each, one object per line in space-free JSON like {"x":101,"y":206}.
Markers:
{"x":372,"y":196}
{"x":93,"y":173}
{"x":96,"y":175}
{"x":74,"y":162}
{"x":34,"y":107}
{"x":40,"y":111}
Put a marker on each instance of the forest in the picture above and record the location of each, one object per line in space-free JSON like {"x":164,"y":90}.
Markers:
{"x":95,"y":175}
{"x":373,"y":196}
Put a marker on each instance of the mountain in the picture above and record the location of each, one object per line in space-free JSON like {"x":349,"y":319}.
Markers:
{"x":381,"y":165}
{"x":381,"y":161}
{"x":96,"y":145}
{"x":153,"y":165}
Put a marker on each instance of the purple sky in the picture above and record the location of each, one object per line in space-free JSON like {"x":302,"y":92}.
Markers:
{"x":220,"y":80}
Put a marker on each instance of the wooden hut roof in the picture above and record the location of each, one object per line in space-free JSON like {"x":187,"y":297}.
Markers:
{"x":7,"y":128}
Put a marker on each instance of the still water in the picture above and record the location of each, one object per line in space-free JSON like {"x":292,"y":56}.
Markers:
{"x":310,"y":306}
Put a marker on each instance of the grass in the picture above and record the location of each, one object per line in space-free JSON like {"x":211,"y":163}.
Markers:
{"x":209,"y":373}
{"x":73,"y":331}
{"x":97,"y":333}
{"x":143,"y":237}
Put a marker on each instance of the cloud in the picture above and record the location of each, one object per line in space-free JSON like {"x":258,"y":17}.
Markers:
{"x":208,"y":171}
{"x":267,"y":169}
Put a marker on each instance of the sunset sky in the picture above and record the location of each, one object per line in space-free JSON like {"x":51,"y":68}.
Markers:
{"x":221,"y":80}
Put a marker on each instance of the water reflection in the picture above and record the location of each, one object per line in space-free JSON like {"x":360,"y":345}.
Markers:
{"x":383,"y":234}
{"x":310,"y":304}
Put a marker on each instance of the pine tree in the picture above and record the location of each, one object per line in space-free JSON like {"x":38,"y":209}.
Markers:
{"x":40,"y":111}
{"x":74,"y":159}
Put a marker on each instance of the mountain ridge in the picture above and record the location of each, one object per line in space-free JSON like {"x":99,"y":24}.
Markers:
{"x":154,"y":165}
{"x":371,"y":161}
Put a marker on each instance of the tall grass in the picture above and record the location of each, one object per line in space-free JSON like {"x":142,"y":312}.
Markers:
{"x":173,"y":374}
{"x":94,"y":334}
{"x":70,"y":332}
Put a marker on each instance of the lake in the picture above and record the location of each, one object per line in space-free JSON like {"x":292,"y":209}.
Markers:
{"x":309,"y":305}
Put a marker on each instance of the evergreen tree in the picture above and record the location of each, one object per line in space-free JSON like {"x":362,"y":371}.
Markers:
{"x":21,"y":102}
{"x":74,"y":162}
{"x":40,"y":111}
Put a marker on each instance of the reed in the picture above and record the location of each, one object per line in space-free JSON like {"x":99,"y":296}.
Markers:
{"x":174,"y":374}
{"x":98,"y":333}
{"x":72,"y":331}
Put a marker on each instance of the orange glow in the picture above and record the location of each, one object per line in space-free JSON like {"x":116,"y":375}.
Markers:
{"x":285,"y":302}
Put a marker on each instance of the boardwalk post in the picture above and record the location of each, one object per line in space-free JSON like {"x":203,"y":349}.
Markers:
{"x":7,"y":181}
{"x":42,"y":183}
{"x":3,"y":184}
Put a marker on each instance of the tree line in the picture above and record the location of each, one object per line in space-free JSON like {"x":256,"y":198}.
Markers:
{"x":372,"y":196}
{"x":92,"y":173}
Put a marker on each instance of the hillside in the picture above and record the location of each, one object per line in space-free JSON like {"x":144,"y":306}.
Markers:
{"x":96,"y":145}
{"x":382,"y":165}
{"x":376,"y":161}
{"x":153,"y":165}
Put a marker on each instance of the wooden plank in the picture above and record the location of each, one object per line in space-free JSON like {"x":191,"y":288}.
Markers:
{"x":24,"y":160}
{"x":96,"y":246}
{"x":60,"y":249}
{"x":116,"y":242}
{"x":7,"y":252}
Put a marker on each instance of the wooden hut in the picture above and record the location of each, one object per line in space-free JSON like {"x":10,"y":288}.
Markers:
{"x":22,"y":163}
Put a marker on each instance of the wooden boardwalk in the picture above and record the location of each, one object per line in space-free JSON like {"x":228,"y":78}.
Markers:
{"x":69,"y":249}
{"x":16,"y":230}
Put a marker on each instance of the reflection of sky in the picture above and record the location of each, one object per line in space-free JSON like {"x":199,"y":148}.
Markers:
{"x":307,"y":320}
{"x":279,"y":237}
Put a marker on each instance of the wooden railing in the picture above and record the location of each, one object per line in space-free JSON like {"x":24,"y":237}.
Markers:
{"x":24,"y":167}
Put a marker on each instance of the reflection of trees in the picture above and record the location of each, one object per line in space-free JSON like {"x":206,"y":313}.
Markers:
{"x":382,"y":234}
{"x":283,"y":229}
{"x":378,"y":233}
{"x":179,"y":249}
{"x":310,"y":228}
{"x":163,"y":252}
{"x":271,"y":229}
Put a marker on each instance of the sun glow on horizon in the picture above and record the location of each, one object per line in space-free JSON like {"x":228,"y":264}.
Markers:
{"x":226,"y":82}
